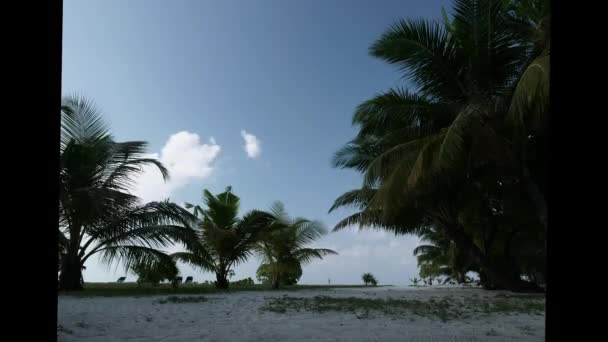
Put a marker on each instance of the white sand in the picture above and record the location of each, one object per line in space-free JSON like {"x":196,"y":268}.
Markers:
{"x":236,"y":317}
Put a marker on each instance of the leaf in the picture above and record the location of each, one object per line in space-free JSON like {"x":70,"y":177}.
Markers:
{"x":531,"y":97}
{"x":446,"y":20}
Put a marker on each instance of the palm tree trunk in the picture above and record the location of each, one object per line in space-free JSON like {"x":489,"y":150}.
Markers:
{"x":275,"y":280}
{"x":537,"y":198}
{"x":221,"y":280}
{"x":460,"y":278}
{"x":483,"y":279}
{"x":71,"y":273}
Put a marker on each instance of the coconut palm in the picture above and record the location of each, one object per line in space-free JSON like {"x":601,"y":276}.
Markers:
{"x":97,"y":212}
{"x":484,"y":63}
{"x":283,"y":247}
{"x":420,"y":150}
{"x":226,"y":239}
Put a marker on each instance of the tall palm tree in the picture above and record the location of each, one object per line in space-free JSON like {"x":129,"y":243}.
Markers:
{"x":225,"y":239}
{"x":418,"y":150}
{"x":97,"y":212}
{"x":283,"y":247}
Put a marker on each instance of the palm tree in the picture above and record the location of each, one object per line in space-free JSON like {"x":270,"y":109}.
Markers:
{"x":419,"y":150}
{"x":442,"y":257}
{"x":225,"y":239}
{"x":97,"y":212}
{"x":283,"y":247}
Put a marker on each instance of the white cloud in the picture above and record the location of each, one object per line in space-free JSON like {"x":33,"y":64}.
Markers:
{"x":252,"y":145}
{"x":185,"y":158}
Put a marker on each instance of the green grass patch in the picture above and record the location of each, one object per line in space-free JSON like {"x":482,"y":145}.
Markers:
{"x":444,"y":309}
{"x":182,"y":299}
{"x":134,"y":289}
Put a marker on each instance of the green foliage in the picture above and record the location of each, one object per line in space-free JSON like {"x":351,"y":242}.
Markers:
{"x":246,"y":281}
{"x":431,"y":159}
{"x":225,"y":239}
{"x":283,"y":247}
{"x":369,"y":279}
{"x":155,"y":275}
{"x":289,"y":277}
{"x":97,"y":213}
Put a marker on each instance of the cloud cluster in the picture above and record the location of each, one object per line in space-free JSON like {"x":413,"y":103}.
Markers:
{"x":252,"y":145}
{"x":186,"y":158}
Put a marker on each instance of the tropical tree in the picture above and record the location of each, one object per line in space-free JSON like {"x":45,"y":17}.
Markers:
{"x":97,"y":213}
{"x":420,"y":151}
{"x":155,"y":275}
{"x":442,"y":257}
{"x":369,"y":279}
{"x":225,"y":239}
{"x":289,"y":277}
{"x":283,"y":247}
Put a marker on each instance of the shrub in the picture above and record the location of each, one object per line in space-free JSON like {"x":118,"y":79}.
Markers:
{"x":369,"y":279}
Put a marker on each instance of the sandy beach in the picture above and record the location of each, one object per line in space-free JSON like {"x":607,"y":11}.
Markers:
{"x":239,"y":316}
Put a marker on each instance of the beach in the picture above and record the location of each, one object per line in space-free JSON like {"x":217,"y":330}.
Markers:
{"x":244,"y":316}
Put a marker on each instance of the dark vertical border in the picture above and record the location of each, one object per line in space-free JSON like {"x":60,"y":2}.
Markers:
{"x":30,"y":160}
{"x":52,"y":121}
{"x":576,"y":246}
{"x":30,"y":270}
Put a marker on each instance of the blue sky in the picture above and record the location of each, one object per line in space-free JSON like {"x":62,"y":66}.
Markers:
{"x":193,"y":77}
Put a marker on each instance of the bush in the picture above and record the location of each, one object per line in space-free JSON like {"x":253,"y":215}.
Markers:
{"x":264,"y":275}
{"x":368,"y":279}
{"x":246,"y":281}
{"x":153,"y":276}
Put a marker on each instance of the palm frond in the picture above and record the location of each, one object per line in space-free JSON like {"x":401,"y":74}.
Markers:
{"x":81,"y":121}
{"x":452,"y":148}
{"x":357,"y":154}
{"x":491,"y":51}
{"x":409,"y":221}
{"x":201,"y":261}
{"x":307,"y":255}
{"x":222,"y":209}
{"x":531,"y":97}
{"x":424,"y":51}
{"x":399,"y":108}
{"x":134,"y":257}
{"x":358,"y":198}
{"x":397,"y":160}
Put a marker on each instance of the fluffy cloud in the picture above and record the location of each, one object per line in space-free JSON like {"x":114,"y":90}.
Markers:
{"x":252,"y":145}
{"x":185,"y":158}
